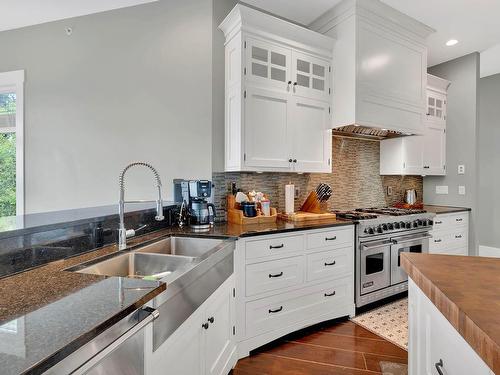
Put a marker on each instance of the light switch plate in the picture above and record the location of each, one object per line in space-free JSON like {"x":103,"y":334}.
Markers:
{"x":389,"y":190}
{"x":442,"y":189}
{"x":461,"y":190}
{"x":461,"y":169}
{"x":297,"y":192}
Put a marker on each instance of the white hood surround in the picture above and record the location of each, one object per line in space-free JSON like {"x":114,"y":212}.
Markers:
{"x":380,"y":68}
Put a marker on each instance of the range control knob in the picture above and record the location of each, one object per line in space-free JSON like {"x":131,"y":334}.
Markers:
{"x":430,"y":222}
{"x":415,"y":224}
{"x":397,"y":225}
{"x":420,"y":222}
{"x":379,"y":229}
{"x":390,"y":226}
{"x":408,"y":225}
{"x":402,"y":224}
{"x":369,"y":230}
{"x":384,"y":226}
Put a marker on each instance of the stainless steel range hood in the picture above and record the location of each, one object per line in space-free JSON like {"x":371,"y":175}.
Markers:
{"x":366,"y":132}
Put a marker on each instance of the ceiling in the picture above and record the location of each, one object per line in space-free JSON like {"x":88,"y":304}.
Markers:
{"x":20,"y":13}
{"x":474,"y":23}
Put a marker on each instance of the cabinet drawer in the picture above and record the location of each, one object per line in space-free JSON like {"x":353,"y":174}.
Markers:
{"x":447,"y":240}
{"x":330,"y":263}
{"x":451,"y":251}
{"x":330,"y":238}
{"x":449,"y":221}
{"x":275,"y":312}
{"x":274,"y":275}
{"x":273,"y":246}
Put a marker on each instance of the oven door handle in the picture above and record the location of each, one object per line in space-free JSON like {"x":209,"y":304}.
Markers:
{"x":395,"y":242}
{"x":376,"y":245}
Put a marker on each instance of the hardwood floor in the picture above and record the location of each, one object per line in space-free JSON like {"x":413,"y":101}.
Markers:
{"x":341,"y":348}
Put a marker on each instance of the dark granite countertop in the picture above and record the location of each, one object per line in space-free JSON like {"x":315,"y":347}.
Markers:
{"x":46,"y":313}
{"x":444,"y":209}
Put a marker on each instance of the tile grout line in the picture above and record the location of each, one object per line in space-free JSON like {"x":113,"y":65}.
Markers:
{"x":320,"y":363}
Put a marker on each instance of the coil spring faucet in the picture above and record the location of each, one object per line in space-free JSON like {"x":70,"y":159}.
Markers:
{"x":123,"y":233}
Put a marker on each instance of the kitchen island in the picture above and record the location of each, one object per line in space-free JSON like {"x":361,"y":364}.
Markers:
{"x":454,"y":320}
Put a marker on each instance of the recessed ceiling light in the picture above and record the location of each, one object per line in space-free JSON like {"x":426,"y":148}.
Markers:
{"x":451,"y":42}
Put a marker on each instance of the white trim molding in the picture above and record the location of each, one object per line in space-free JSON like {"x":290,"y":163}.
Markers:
{"x":15,"y":80}
{"x":488,"y":251}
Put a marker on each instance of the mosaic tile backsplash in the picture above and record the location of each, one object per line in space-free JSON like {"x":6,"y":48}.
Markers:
{"x":355,"y":180}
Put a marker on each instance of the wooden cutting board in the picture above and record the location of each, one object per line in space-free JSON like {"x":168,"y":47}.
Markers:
{"x":301,"y":216}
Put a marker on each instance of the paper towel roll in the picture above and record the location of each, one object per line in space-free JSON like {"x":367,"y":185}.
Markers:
{"x":289,"y":198}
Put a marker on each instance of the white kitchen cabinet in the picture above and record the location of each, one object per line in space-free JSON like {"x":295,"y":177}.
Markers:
{"x":450,"y":234}
{"x":278,"y":95}
{"x":380,"y":65}
{"x":286,"y":282}
{"x":204,"y":344}
{"x":420,"y":154}
{"x":434,"y":343}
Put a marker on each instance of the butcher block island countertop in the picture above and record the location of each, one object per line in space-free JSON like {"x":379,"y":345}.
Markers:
{"x":466,"y":290}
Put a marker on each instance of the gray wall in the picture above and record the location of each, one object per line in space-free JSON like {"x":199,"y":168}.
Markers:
{"x":129,"y":84}
{"x":461,"y":137}
{"x":488,"y":218}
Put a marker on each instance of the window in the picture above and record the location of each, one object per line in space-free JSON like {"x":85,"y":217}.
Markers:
{"x":11,"y":143}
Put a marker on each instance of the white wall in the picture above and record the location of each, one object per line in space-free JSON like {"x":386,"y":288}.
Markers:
{"x":129,"y":84}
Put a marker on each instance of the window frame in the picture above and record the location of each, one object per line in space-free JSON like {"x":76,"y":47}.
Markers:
{"x":14,"y":80}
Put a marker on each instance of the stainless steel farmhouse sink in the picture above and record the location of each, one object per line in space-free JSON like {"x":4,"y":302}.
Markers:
{"x":138,"y":265}
{"x":183,"y":246}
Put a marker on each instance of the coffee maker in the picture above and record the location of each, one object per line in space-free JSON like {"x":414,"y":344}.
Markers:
{"x":195,"y":196}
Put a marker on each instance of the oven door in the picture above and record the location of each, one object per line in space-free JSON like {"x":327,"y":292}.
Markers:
{"x":374,"y":262}
{"x":416,"y":243}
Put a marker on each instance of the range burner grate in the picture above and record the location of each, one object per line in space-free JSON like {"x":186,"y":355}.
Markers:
{"x":391,"y":211}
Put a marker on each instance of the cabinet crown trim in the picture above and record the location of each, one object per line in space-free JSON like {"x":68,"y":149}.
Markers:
{"x":266,"y":25}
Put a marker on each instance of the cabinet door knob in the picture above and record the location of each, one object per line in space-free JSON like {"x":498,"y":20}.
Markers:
{"x":290,"y":160}
{"x":205,"y":325}
{"x":295,"y":160}
{"x":439,"y":366}
{"x":211,"y":320}
{"x":289,"y":82}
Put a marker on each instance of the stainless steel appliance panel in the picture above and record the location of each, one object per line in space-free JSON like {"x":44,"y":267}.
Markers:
{"x":375,"y":266}
{"x":406,"y":244}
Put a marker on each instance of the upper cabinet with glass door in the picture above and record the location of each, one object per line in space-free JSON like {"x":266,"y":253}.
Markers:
{"x":436,"y":100}
{"x":278,"y":109}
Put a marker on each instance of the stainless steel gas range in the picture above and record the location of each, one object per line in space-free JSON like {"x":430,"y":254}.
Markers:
{"x":382,"y":234}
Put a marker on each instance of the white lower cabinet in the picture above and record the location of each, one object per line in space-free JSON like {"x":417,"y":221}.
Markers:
{"x":286,"y":282}
{"x":434,"y":346}
{"x":450,"y":234}
{"x":204,"y":344}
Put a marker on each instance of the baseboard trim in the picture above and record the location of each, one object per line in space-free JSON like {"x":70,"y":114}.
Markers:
{"x":488,"y":251}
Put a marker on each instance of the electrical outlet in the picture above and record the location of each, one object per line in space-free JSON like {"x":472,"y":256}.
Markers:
{"x":461,"y":169}
{"x":389,"y":190}
{"x":442,"y":189}
{"x":461,"y":190}
{"x":297,"y":192}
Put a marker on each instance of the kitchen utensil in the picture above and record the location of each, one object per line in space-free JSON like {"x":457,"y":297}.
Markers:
{"x":315,"y":201}
{"x":411,"y":196}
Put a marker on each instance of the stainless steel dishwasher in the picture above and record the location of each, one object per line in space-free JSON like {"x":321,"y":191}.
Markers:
{"x":118,"y":350}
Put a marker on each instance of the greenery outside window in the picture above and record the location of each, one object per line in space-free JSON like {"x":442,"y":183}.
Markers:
{"x":11,"y":144}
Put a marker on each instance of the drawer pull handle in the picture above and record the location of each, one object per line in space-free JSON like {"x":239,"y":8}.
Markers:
{"x":438,"y":222}
{"x":439,"y":365}
{"x":330,"y":264}
{"x":275,"y":311}
{"x":368,"y":284}
{"x":277,"y":247}
{"x":459,"y":236}
{"x":277,"y":275}
{"x":330,"y":294}
{"x":459,"y":219}
{"x":439,"y":240}
{"x":331,"y":238}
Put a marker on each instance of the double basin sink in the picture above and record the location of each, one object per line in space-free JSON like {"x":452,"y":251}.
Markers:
{"x":164,"y":260}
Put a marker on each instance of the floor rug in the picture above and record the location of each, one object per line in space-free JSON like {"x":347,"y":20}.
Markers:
{"x":389,"y":321}
{"x":391,"y":368}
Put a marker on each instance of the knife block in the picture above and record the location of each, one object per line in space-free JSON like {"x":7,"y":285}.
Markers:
{"x":313,"y":205}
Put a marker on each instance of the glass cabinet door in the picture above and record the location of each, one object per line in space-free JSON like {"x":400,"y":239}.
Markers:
{"x":311,"y":76}
{"x":268,"y":64}
{"x":436,"y":106}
